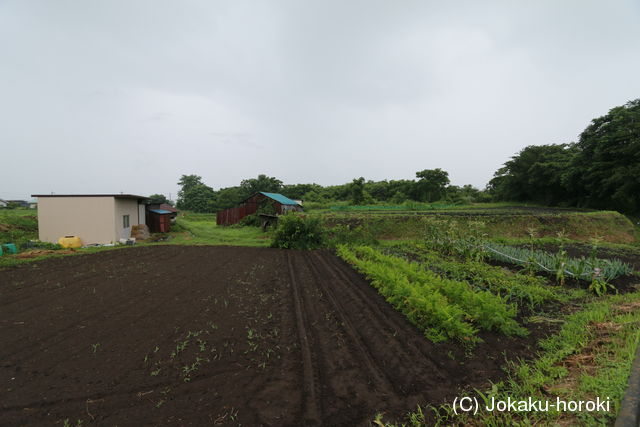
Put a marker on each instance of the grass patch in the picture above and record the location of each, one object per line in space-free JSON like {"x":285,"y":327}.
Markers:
{"x":201,"y":229}
{"x":18,"y":225}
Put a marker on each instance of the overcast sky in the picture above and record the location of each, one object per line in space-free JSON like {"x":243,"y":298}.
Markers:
{"x":126,"y":96}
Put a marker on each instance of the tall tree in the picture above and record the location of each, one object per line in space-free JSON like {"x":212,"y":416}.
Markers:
{"x":431,"y":184}
{"x":538,"y":173}
{"x":199,"y":198}
{"x":186,"y":183}
{"x":261,"y":183}
{"x":194,"y":195}
{"x":298,"y":191}
{"x":606,"y":171}
{"x":357,"y":191}
{"x":601,"y":170}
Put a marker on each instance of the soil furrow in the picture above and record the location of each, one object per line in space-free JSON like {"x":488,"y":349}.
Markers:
{"x":387,"y":323}
{"x":311,"y":411}
{"x":382,"y":382}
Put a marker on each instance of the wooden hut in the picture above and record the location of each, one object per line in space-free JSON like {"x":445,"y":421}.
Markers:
{"x":268,"y":203}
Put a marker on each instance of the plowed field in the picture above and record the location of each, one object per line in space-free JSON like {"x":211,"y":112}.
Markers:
{"x":218,"y":335}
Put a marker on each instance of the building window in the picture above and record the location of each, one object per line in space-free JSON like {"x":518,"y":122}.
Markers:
{"x":125,"y":221}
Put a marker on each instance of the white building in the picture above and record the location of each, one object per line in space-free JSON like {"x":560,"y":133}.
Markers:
{"x":94,"y":218}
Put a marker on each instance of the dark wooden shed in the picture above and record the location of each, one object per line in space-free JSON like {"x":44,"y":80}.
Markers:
{"x":249,"y":206}
{"x":158,"y":220}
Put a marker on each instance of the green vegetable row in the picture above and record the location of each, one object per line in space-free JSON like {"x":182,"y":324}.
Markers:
{"x":442,"y":308}
{"x":579,"y":268}
{"x":517,"y":288}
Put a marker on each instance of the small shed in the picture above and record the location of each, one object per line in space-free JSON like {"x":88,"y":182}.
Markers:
{"x":165,"y":207}
{"x":269,"y":203}
{"x":159,"y":220}
{"x":94,"y":218}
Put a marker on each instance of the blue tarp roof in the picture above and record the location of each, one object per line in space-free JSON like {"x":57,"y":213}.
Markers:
{"x":279,"y":198}
{"x":160,"y":211}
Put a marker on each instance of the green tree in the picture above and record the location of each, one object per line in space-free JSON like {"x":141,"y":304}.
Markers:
{"x":538,"y":173}
{"x":229,"y":197}
{"x":200,"y":198}
{"x":357,"y":191}
{"x":298,"y":191}
{"x":186,"y":183}
{"x":158,"y":199}
{"x":432,"y":184}
{"x":600,"y":171}
{"x":606,"y":170}
{"x":261,"y":183}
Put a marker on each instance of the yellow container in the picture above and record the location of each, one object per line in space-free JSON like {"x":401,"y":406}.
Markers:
{"x":70,"y":242}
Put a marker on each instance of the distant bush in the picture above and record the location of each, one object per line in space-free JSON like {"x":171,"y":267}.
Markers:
{"x":298,"y":232}
{"x":252,"y":220}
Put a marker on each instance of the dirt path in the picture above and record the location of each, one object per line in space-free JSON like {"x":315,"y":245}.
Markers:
{"x":218,"y":335}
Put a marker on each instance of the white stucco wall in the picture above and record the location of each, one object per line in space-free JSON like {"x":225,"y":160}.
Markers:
{"x":90,"y":218}
{"x":142,"y":211}
{"x":126,"y":207}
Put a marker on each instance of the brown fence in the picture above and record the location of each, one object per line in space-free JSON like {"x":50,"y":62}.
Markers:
{"x":234,"y":215}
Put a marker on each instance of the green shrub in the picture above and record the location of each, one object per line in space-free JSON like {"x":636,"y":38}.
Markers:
{"x":178,"y":228}
{"x":252,"y":220}
{"x":299,"y":232}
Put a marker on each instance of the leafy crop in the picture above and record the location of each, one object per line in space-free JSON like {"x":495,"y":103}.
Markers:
{"x":463,"y":240}
{"x":577,"y":268}
{"x":443,"y":308}
{"x":516,"y":288}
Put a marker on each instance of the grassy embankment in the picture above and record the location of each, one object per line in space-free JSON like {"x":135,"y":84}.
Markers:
{"x":500,"y":225}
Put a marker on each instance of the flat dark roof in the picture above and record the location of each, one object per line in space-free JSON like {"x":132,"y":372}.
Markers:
{"x":117,"y":196}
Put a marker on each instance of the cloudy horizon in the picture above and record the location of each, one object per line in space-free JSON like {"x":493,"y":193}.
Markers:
{"x":126,"y":96}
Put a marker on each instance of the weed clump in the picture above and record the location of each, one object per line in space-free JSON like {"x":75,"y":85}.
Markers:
{"x":299,"y":232}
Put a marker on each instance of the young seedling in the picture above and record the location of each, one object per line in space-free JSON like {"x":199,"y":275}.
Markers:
{"x":95,"y":347}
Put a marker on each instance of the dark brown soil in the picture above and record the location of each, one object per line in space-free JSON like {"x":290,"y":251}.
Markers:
{"x":220,"y":335}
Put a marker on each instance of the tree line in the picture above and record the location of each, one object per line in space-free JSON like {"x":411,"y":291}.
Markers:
{"x":430,"y":185}
{"x":601,"y":170}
